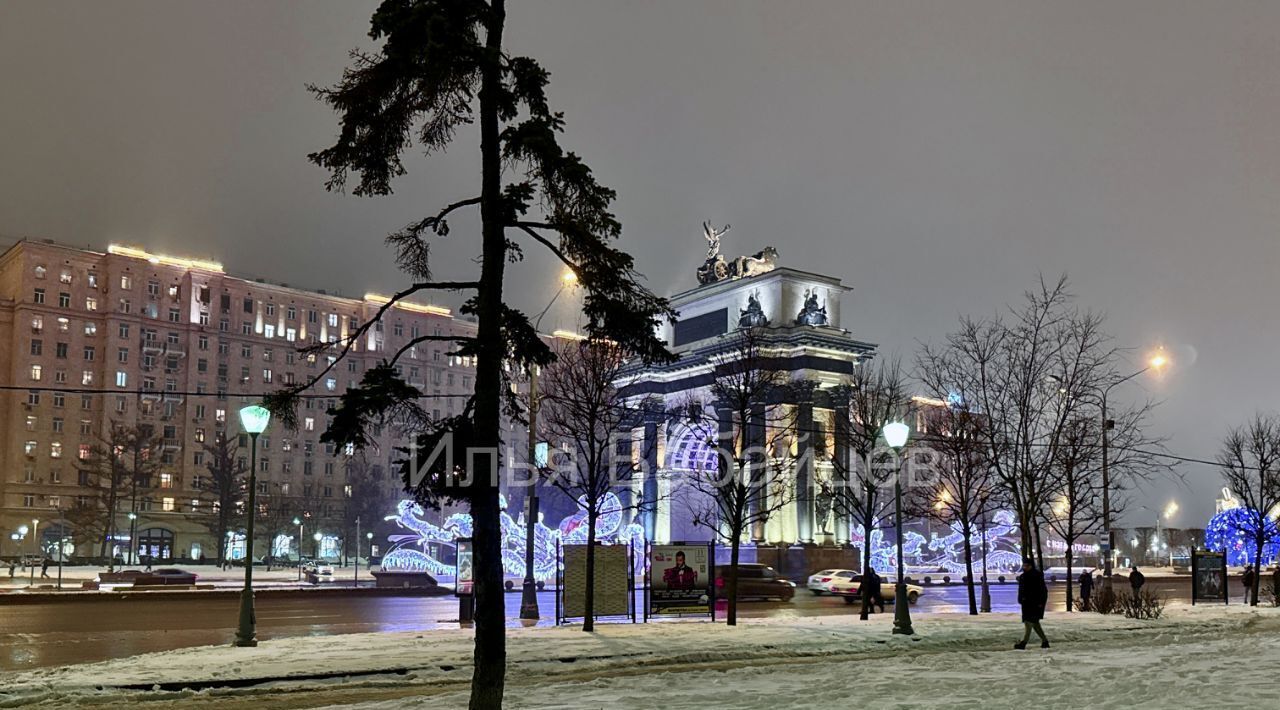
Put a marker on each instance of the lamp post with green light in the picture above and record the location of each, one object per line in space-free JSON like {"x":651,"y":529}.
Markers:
{"x":895,"y":435}
{"x":253,"y":419}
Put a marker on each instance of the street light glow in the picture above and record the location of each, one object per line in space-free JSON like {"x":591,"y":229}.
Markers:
{"x":569,"y":278}
{"x":254,"y":418}
{"x":1158,"y":360}
{"x":895,"y":434}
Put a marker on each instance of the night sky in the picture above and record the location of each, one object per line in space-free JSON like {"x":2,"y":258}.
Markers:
{"x":936,"y":156}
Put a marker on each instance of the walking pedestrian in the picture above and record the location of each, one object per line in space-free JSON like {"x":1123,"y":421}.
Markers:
{"x":1086,"y":589}
{"x":871,"y":587}
{"x":44,"y":568}
{"x":1136,"y":580}
{"x":12,"y":566}
{"x":1033,"y":595}
{"x":1247,"y":579}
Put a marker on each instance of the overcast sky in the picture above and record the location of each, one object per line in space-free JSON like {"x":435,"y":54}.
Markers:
{"x":934,"y":155}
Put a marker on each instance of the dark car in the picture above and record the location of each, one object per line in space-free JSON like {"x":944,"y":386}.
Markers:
{"x":165,"y":575}
{"x":756,"y":582}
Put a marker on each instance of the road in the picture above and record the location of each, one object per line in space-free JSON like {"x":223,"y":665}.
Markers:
{"x":34,"y":635}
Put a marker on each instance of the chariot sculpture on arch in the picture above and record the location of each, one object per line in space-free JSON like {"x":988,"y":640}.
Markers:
{"x":715,"y":268}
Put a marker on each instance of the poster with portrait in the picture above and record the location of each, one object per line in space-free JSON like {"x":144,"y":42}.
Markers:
{"x":680,"y":579}
{"x":464,"y":574}
{"x":1208,"y":576}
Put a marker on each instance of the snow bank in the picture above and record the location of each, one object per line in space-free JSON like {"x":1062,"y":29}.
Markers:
{"x":440,"y":661}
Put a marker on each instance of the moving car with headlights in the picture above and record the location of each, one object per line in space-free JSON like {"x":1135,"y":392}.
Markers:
{"x":849,"y":590}
{"x":820,"y":582}
{"x":756,"y":582}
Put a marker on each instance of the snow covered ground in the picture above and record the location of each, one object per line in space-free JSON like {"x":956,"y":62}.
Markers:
{"x":1226,"y":656}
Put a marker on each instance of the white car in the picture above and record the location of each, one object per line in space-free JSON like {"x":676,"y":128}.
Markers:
{"x":318,"y":568}
{"x":849,"y":590}
{"x":820,"y":582}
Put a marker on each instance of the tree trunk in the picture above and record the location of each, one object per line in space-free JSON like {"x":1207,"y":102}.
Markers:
{"x":489,"y":676}
{"x":1257,"y":562}
{"x":589,"y":609}
{"x":968,"y":566}
{"x":1068,"y":556}
{"x":731,"y":581}
{"x":867,"y":522}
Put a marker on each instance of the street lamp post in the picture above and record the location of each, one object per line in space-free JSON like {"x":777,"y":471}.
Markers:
{"x":895,"y":435}
{"x":253,"y":419}
{"x":298,"y":522}
{"x":133,"y":537}
{"x":529,"y":590}
{"x":1157,"y":361}
{"x":35,"y":547}
{"x":356,"y":583}
{"x":317,"y":537}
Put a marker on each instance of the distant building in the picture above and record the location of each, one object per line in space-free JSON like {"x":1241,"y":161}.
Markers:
{"x":89,"y":338}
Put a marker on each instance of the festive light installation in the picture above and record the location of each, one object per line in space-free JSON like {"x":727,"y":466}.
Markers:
{"x":947,"y":552}
{"x":421,"y":549}
{"x":1232,"y":531}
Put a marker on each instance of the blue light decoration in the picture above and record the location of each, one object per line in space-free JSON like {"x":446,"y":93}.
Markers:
{"x":946,"y":552}
{"x":1231,"y":531}
{"x":420,"y":549}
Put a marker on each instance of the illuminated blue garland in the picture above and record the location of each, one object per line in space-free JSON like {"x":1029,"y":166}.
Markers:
{"x":1233,"y":529}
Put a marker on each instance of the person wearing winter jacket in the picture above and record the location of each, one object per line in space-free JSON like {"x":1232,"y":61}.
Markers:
{"x":1247,"y":578}
{"x":1086,"y":589}
{"x":1136,"y":579}
{"x":1033,"y":595}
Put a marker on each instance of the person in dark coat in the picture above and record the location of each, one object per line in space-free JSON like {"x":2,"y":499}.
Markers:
{"x":871,"y":586}
{"x":44,"y":568}
{"x":1247,"y":578}
{"x":1086,"y":589}
{"x":1136,"y":580}
{"x":1033,"y":595}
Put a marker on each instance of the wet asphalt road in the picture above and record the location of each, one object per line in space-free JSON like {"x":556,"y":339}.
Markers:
{"x":35,"y":635}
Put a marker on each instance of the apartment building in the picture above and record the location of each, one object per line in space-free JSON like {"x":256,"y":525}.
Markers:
{"x":90,"y":338}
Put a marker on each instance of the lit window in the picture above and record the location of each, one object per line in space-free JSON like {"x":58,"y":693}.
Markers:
{"x":309,"y":424}
{"x":30,"y":448}
{"x":166,"y":480}
{"x":31,"y":423}
{"x":85,"y":452}
{"x":36,"y":373}
{"x":40,"y":272}
{"x":65,"y":276}
{"x":37,"y":324}
{"x":86,"y":377}
{"x":90,"y":328}
{"x":126,"y":282}
{"x":55,"y":450}
{"x":122,"y":378}
{"x":330,"y":383}
{"x":168,"y":505}
{"x":90,"y":303}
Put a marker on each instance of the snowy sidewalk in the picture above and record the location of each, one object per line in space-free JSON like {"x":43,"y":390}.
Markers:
{"x":761,"y":663}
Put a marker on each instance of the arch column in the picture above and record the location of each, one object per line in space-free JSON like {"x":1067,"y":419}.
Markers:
{"x":840,"y":473}
{"x":804,"y":471}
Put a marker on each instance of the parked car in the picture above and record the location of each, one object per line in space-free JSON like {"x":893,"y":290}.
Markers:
{"x":820,"y":582}
{"x":757,"y":582}
{"x":164,"y":575}
{"x":849,"y":590}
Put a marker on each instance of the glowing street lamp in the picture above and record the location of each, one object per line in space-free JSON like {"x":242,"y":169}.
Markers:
{"x":298,"y":522}
{"x":895,"y":435}
{"x":1156,"y":361}
{"x":253,"y":420}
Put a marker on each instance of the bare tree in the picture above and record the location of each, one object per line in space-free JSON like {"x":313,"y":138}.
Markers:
{"x":1249,"y":459}
{"x":224,"y":488}
{"x":1076,"y":510}
{"x":962,"y":485}
{"x":1024,"y":371}
{"x":122,"y":462}
{"x":582,"y":412}
{"x":751,"y":433}
{"x":876,"y":394}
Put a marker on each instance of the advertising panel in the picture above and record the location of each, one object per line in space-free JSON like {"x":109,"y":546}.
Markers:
{"x":680,"y":579}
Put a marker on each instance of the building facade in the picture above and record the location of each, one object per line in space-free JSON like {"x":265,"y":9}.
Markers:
{"x":90,"y":339}
{"x":796,"y":318}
